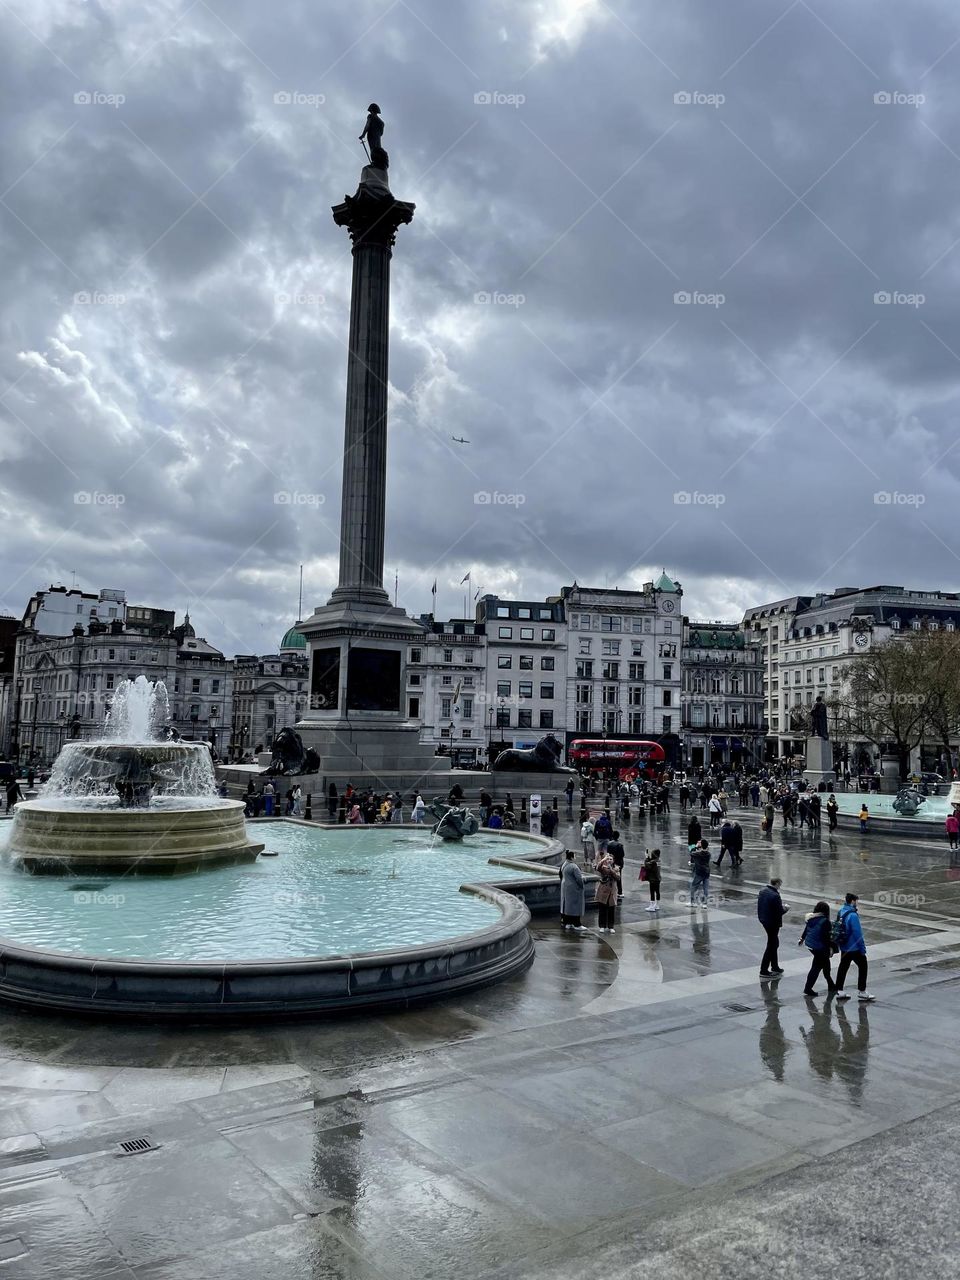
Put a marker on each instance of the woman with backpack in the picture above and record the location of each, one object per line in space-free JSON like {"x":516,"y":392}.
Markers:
{"x":816,"y":938}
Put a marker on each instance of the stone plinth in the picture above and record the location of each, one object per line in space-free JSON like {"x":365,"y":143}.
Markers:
{"x":819,"y":762}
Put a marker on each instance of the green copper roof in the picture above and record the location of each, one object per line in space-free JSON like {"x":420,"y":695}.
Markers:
{"x":665,"y":583}
{"x":293,"y":640}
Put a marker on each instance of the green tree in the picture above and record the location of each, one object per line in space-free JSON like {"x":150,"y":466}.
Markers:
{"x":890,"y":694}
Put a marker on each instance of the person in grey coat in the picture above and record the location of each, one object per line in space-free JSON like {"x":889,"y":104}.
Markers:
{"x":571,"y":894}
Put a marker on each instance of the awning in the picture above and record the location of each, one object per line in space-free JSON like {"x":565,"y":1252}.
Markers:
{"x":718,"y":742}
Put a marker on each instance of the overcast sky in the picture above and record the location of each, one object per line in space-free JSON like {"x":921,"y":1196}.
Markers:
{"x":175,"y":303}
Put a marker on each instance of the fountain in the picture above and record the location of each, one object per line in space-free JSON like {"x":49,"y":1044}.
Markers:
{"x":133,"y":799}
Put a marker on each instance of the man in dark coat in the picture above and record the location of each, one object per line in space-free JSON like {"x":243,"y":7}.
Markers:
{"x":770,"y":912}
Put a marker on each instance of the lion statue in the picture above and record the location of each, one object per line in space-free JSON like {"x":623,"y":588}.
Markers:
{"x":289,"y":755}
{"x":543,"y":758}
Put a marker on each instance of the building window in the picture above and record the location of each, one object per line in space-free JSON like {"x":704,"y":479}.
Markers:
{"x":504,"y":662}
{"x":667,"y":671}
{"x":468,"y":682}
{"x":584,"y":670}
{"x":416,"y":655}
{"x":524,"y":612}
{"x":526,"y":662}
{"x":467,"y":709}
{"x":637,"y":695}
{"x":584,"y":645}
{"x":585,"y":693}
{"x":699,"y":716}
{"x":110,"y":681}
{"x":636,"y":722}
{"x":413,"y":709}
{"x":503,"y":717}
{"x":505,"y":633}
{"x":525,"y":688}
{"x":468,"y":733}
{"x":610,"y":698}
{"x":611,"y":624}
{"x":667,"y":698}
{"x":583,"y":722}
{"x":668,"y":650}
{"x":610,"y":647}
{"x":445,"y":708}
{"x":414,"y":677}
{"x":667,"y":723}
{"x":611,"y":671}
{"x":526,"y":633}
{"x":195,"y":686}
{"x":548,"y":633}
{"x":546,"y":664}
{"x":546,"y":691}
{"x":503,"y":611}
{"x":524,"y":719}
{"x":111,"y":655}
{"x":635,"y":670}
{"x":468,"y":656}
{"x":503,"y":688}
{"x":546,"y":719}
{"x":448,"y":655}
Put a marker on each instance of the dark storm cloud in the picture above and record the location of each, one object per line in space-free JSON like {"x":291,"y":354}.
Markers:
{"x":175,"y":320}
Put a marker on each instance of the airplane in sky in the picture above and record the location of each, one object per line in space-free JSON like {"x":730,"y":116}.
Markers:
{"x":459,"y":440}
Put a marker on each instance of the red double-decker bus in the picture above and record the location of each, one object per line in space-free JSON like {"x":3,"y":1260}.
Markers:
{"x":628,"y":756}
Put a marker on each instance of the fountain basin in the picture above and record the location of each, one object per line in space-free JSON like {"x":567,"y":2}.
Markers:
{"x":69,"y":839}
{"x":344,"y":919}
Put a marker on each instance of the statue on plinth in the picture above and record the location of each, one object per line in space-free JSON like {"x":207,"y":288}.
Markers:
{"x":818,"y":718}
{"x":373,"y":132}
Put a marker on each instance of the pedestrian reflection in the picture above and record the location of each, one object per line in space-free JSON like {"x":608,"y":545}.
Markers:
{"x":700,"y":933}
{"x":774,"y":1045}
{"x":838,"y":1048}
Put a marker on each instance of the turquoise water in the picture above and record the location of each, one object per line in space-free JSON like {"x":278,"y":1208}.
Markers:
{"x":328,"y":893}
{"x":933,"y":810}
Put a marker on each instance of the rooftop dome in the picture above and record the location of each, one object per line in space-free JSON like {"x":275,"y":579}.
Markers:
{"x":293,"y":639}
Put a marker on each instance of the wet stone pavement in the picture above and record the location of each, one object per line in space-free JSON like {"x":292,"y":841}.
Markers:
{"x":636,"y":1104}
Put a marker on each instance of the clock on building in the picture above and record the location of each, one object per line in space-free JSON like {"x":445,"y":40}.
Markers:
{"x":861,"y":639}
{"x":668,"y":604}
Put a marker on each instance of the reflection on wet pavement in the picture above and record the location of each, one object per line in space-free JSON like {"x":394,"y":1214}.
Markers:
{"x":622,"y":1078}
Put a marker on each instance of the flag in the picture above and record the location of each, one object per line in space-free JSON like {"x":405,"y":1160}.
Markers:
{"x":465,"y":578}
{"x":433,"y":589}
{"x":477,"y":593}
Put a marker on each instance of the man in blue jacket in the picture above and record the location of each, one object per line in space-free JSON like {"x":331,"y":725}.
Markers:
{"x":770,"y":912}
{"x":853,"y":949}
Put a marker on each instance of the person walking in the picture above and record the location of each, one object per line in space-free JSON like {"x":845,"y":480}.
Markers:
{"x":770,"y":912}
{"x":694,"y":830}
{"x":651,"y":873}
{"x":715,"y":809}
{"x":572,"y":896}
{"x":606,"y":894}
{"x":832,"y":809}
{"x":602,"y":832}
{"x":13,"y":794}
{"x":297,"y":799}
{"x":864,"y":816}
{"x":726,"y":833}
{"x":768,"y":817}
{"x":816,"y":938}
{"x":736,"y":845}
{"x":815,"y":807}
{"x":615,"y":850}
{"x":952,"y":825}
{"x":569,"y":793}
{"x":700,"y":880}
{"x":268,"y":794}
{"x":588,"y":842}
{"x":848,"y":937}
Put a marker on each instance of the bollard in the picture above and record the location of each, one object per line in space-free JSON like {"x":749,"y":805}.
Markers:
{"x":308,"y":811}
{"x":523,"y":811}
{"x":583,"y":808}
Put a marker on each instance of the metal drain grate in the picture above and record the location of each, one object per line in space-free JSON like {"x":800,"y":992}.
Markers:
{"x":739,"y":1008}
{"x":136,"y":1146}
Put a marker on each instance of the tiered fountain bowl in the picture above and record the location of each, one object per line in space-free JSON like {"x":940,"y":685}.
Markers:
{"x":131,"y":800}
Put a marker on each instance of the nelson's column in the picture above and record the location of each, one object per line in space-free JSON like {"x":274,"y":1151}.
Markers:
{"x":357,"y":720}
